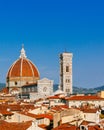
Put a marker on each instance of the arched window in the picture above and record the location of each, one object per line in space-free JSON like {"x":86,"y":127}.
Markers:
{"x":67,"y":68}
{"x":44,"y":89}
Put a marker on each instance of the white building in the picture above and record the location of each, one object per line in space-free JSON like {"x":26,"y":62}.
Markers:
{"x":78,"y":101}
{"x":45,"y":87}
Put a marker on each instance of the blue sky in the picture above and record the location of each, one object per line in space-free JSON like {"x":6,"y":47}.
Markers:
{"x":48,"y":28}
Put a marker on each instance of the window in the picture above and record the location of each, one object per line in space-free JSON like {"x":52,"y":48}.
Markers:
{"x":15,"y":83}
{"x":67,"y":80}
{"x":44,"y":89}
{"x":67,"y":68}
{"x":27,"y":83}
{"x":28,"y":89}
{"x":66,"y":90}
{"x":83,"y":128}
{"x":25,"y":89}
{"x":32,"y":89}
{"x":9,"y":117}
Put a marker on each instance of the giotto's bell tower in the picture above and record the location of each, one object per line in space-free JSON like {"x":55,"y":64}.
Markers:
{"x":66,"y":72}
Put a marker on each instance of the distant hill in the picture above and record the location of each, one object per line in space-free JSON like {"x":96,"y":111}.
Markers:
{"x":2,"y":85}
{"x":83,"y":90}
{"x":99,"y":88}
{"x":88,"y":90}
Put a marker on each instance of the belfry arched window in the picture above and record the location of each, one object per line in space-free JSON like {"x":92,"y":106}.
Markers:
{"x":67,"y":68}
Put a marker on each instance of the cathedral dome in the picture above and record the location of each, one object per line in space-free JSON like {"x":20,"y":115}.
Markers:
{"x":23,"y":67}
{"x":23,"y":70}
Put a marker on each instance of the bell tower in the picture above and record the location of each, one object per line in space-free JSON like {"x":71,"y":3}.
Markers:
{"x":66,"y":72}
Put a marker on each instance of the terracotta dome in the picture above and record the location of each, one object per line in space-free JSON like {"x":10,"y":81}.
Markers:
{"x":23,"y":67}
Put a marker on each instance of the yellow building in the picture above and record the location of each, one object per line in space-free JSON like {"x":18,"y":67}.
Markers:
{"x":101,"y":94}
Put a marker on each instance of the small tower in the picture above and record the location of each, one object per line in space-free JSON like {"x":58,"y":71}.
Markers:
{"x":22,"y":53}
{"x":66,"y":72}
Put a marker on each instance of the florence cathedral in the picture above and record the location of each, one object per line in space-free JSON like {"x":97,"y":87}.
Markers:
{"x":23,"y":78}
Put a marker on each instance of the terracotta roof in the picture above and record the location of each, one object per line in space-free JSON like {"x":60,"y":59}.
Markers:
{"x":89,"y":110}
{"x":16,"y":107}
{"x":11,"y":107}
{"x":60,"y":107}
{"x":96,"y":127}
{"x":64,"y":106}
{"x":5,"y":90}
{"x":38,"y":116}
{"x":66,"y":126}
{"x":4,"y":112}
{"x":49,"y":116}
{"x":23,"y":67}
{"x":90,"y":125}
{"x":14,"y":89}
{"x":43,"y":126}
{"x":84,"y":98}
{"x":14,"y":126}
{"x":56,"y":97}
{"x":86,"y":122}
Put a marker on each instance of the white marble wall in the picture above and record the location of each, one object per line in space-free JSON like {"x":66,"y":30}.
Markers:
{"x":45,"y":87}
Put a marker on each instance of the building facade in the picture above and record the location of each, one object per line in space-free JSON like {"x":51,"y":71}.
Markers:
{"x":45,"y":87}
{"x":66,"y":72}
{"x":78,"y":101}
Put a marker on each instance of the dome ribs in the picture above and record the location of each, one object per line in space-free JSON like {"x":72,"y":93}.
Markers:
{"x":23,"y":67}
